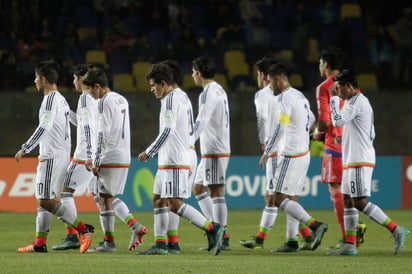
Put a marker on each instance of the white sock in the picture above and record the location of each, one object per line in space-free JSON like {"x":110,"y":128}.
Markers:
{"x":120,"y":209}
{"x":220,"y":210}
{"x":161,"y":222}
{"x":43,"y":220}
{"x":350,"y":219}
{"x":192,"y":215}
{"x":206,"y":205}
{"x":268,"y":218}
{"x":173,"y":221}
{"x":68,"y":201}
{"x":107,"y":221}
{"x":295,"y":210}
{"x":292,"y":227}
{"x":375,"y":213}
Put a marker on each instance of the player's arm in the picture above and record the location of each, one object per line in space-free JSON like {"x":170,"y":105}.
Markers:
{"x":260,"y":120}
{"x":88,"y":124}
{"x":323,"y":113}
{"x":164,"y":134}
{"x":342,"y":116}
{"x":206,"y":109}
{"x":73,"y":118}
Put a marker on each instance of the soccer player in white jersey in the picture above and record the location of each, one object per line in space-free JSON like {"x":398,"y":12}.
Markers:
{"x":357,"y":119}
{"x":172,"y":230}
{"x":212,"y":125}
{"x":292,"y":130}
{"x":266,"y":112}
{"x":52,"y":135}
{"x":171,"y":146}
{"x":112,"y":160}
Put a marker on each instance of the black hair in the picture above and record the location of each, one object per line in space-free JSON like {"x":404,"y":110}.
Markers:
{"x":264,"y":64}
{"x":174,"y":66}
{"x":49,"y":69}
{"x":346,"y":77}
{"x":205,"y":65}
{"x":333,"y":56}
{"x":95,"y":76}
{"x":82,"y":69}
{"x":160,"y":72}
{"x":278,"y":70}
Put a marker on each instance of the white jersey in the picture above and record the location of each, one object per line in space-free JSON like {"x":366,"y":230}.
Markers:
{"x":173,"y":142}
{"x":190,"y":116}
{"x":266,"y":113}
{"x":113,"y":134}
{"x":293,"y":125}
{"x":356,"y":117}
{"x":86,"y":117}
{"x":53,"y":132}
{"x":213,"y":122}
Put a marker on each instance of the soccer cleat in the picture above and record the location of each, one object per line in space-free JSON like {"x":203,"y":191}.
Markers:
{"x":104,"y":246}
{"x":225,"y":244}
{"x":285,"y":248}
{"x":153,"y":251}
{"x":360,"y":234}
{"x":306,"y":243}
{"x":219,"y":240}
{"x":251,"y":243}
{"x":399,"y":234}
{"x":346,"y":250}
{"x":32,"y":248}
{"x":136,"y":237}
{"x":70,"y":242}
{"x":338,"y":245}
{"x":85,"y":238}
{"x":318,"y":235}
{"x":173,"y":248}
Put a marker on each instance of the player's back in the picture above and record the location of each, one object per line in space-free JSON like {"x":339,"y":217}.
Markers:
{"x":57,"y":139}
{"x":114,"y":122}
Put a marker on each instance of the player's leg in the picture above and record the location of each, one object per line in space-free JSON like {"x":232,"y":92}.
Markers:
{"x":200,"y":191}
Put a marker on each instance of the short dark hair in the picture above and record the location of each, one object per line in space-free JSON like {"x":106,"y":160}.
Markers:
{"x":174,"y":66}
{"x":160,"y":72}
{"x":278,"y":70}
{"x":333,"y":56}
{"x":265,"y":63}
{"x":346,"y":77}
{"x":205,"y":65}
{"x":81,"y":69}
{"x":95,"y":76}
{"x":49,"y":69}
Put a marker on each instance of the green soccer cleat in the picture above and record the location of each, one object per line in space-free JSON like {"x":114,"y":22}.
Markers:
{"x":285,"y":248}
{"x":318,"y":235}
{"x":346,"y":250}
{"x":153,"y":251}
{"x":70,"y":242}
{"x":306,"y":243}
{"x":339,"y":244}
{"x":399,"y":234}
{"x":104,"y":246}
{"x":252,"y":243}
{"x":225,"y":244}
{"x":173,"y":248}
{"x":360,"y":234}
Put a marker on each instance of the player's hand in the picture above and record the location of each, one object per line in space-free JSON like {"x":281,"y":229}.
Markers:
{"x":318,"y":135}
{"x":263,"y":161}
{"x":89,"y":165}
{"x":338,"y":140}
{"x":19,"y":155}
{"x":143,"y":157}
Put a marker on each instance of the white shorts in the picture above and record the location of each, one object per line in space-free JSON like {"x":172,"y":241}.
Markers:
{"x":291,"y":174}
{"x":270,"y":173}
{"x":212,"y":171}
{"x":78,"y":177}
{"x":50,"y":176}
{"x":172,"y":183}
{"x":356,"y":181}
{"x":112,"y":180}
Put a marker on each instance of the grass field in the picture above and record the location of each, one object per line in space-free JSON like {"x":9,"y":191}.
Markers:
{"x":375,"y":256}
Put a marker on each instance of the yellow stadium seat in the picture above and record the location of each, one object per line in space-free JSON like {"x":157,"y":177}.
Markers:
{"x":296,"y":80}
{"x":188,"y":82}
{"x":31,"y":88}
{"x":84,"y":33}
{"x":367,"y":81}
{"x":140,"y":69}
{"x":350,"y":10}
{"x":313,"y":51}
{"x":123,"y":82}
{"x":142,"y":85}
{"x":233,"y":57}
{"x":288,"y":53}
{"x":95,"y":56}
{"x":237,"y":69}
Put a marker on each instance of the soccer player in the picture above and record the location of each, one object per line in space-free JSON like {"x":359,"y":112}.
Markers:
{"x":172,"y":230}
{"x":357,"y":119}
{"x":213,"y":127}
{"x":266,"y":112}
{"x":172,"y":146}
{"x":52,"y":135}
{"x":77,"y":175}
{"x":292,"y":132}
{"x":112,"y":160}
{"x":330,"y":61}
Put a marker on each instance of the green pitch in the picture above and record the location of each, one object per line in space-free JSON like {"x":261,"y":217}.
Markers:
{"x":375,"y":256}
